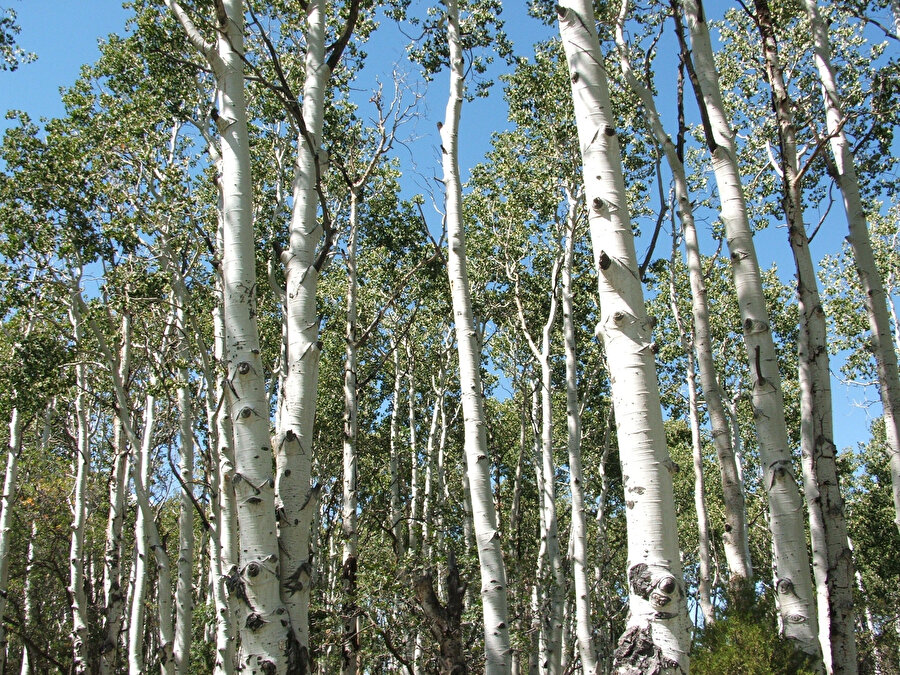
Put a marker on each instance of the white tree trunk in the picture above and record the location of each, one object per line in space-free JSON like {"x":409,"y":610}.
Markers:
{"x":396,"y":513}
{"x":118,"y":487}
{"x":832,"y":558}
{"x":478,"y":464}
{"x":735,"y":538}
{"x":578,"y":535}
{"x":82,"y":463}
{"x":350,"y":659}
{"x":656,"y":590}
{"x":10,"y":487}
{"x":869,"y":279}
{"x":184,"y":601}
{"x":704,"y":573}
{"x":551,"y":625}
{"x":266,"y":645}
{"x":791,"y":558}
{"x":28,"y":593}
{"x":411,"y":402}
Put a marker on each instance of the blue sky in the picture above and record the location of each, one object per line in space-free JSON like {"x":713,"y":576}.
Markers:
{"x":64,"y":35}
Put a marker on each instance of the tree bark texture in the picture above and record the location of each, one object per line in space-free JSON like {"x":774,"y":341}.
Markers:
{"x":832,"y":558}
{"x":478,"y":465}
{"x":658,"y":624}
{"x":791,"y":558}
{"x":873,"y":288}
{"x":735,"y":538}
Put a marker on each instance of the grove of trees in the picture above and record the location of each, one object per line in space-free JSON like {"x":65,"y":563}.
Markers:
{"x":286,"y":394}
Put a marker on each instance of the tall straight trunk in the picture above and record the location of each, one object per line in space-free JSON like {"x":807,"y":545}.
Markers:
{"x":578,"y":536}
{"x":29,"y":604}
{"x":538,"y":587}
{"x":704,"y":573}
{"x":396,"y":513}
{"x":118,"y":485}
{"x":832,"y":558}
{"x":791,"y":558}
{"x":478,"y":465}
{"x":82,"y":463}
{"x":296,"y":499}
{"x":413,"y":547}
{"x":184,"y":601}
{"x":656,"y":589}
{"x":861,"y":244}
{"x":141,"y":473}
{"x":735,"y":538}
{"x":551,"y":626}
{"x":267,"y":637}
{"x":10,"y":488}
{"x":350,"y":659}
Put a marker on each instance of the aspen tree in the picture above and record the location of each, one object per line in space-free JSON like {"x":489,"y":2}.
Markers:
{"x":873,"y":289}
{"x":832,"y":559}
{"x":551,"y":625}
{"x":578,"y":535}
{"x":487,"y":535}
{"x":114,"y":595}
{"x":735,"y":538}
{"x":656,"y":589}
{"x":791,"y":558}
{"x":268,"y":643}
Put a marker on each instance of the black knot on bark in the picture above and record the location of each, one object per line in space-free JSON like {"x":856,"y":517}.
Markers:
{"x":253,"y":569}
{"x":575,"y":77}
{"x":597,"y":204}
{"x":609,"y":131}
{"x":243,"y":367}
{"x":605,"y":260}
{"x":255,"y":622}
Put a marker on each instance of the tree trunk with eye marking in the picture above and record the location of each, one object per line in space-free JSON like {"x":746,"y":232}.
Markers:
{"x":793,"y":583}
{"x":657,"y":638}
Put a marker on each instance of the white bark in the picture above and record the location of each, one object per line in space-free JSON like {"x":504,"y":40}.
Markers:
{"x":264,"y":622}
{"x":478,"y":465}
{"x":396,"y":513}
{"x":296,"y":497}
{"x":10,"y":487}
{"x":860,"y":243}
{"x":350,"y":659}
{"x":704,"y":574}
{"x":832,"y":558}
{"x":184,"y":601}
{"x":791,"y":558}
{"x":118,"y":487}
{"x":82,"y":463}
{"x":28,"y":593}
{"x":735,"y":538}
{"x":551,"y":626}
{"x":413,"y":547}
{"x":656,"y":590}
{"x":578,"y":535}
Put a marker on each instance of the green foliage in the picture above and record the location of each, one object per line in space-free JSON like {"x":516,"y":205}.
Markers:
{"x":11,"y":55}
{"x":746,"y":642}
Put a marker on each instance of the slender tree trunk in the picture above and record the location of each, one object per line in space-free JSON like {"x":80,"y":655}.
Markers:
{"x":10,"y":487}
{"x":791,"y":561}
{"x":413,"y":547}
{"x":552,"y":621}
{"x":28,"y":593}
{"x":584,"y":626}
{"x":704,"y":573}
{"x":832,"y":559}
{"x":396,"y":513}
{"x":268,"y":640}
{"x":478,"y":465}
{"x":350,"y":647}
{"x":184,"y":601}
{"x":82,"y":463}
{"x":656,"y":590}
{"x":860,"y":243}
{"x":735,"y":538}
{"x":118,"y":486}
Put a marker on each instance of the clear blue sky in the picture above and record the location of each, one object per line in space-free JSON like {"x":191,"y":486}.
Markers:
{"x":64,"y":35}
